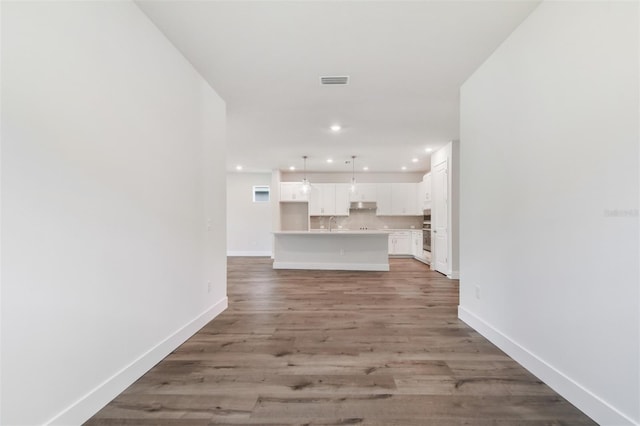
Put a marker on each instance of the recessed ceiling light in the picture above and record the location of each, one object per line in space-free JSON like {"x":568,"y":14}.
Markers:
{"x":329,"y":160}
{"x":415,"y":160}
{"x":292,"y":168}
{"x":336,"y":128}
{"x":365,"y":168}
{"x":238,"y":167}
{"x":404,"y":167}
{"x":429,"y":149}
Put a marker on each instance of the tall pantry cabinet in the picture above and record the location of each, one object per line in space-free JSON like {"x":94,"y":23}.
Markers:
{"x":444,"y":210}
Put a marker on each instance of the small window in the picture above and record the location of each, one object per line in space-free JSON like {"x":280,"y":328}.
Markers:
{"x":261,"y":194}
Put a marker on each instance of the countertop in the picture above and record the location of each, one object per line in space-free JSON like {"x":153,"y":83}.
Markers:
{"x":334,"y":232}
{"x":343,"y":231}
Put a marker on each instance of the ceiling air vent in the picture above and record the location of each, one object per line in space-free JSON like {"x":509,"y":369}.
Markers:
{"x":335,"y":79}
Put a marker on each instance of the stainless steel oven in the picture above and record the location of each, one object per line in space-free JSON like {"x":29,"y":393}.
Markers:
{"x":426,"y":231}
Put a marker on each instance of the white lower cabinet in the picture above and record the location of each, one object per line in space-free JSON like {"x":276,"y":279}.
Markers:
{"x":416,"y":244}
{"x":400,"y":243}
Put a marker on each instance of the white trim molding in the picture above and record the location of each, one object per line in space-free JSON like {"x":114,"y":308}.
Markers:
{"x":332,"y":266}
{"x":592,"y":405}
{"x":85,"y":407}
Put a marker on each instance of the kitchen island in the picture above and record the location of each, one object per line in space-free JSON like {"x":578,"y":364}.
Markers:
{"x":333,"y":250}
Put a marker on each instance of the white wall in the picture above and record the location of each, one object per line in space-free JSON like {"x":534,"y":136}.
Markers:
{"x":549,"y":202}
{"x":248,"y":223}
{"x":112,"y":161}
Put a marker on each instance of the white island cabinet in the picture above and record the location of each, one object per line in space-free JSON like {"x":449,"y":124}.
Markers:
{"x":338,"y":250}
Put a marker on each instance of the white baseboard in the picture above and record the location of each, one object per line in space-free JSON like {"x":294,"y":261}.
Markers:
{"x":593,"y":406}
{"x":422,"y":259}
{"x":249,"y":253}
{"x":332,"y":266}
{"x":91,"y":403}
{"x":454,"y":275}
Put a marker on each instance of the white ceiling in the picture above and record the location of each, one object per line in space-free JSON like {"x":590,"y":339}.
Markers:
{"x":406,"y":62}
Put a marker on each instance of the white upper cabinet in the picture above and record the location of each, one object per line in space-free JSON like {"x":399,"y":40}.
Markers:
{"x":332,"y":199}
{"x":317,"y":199}
{"x":383,"y":193}
{"x":342,"y":199}
{"x":424,"y":189}
{"x":398,"y":199}
{"x":292,"y":192}
{"x":427,"y":188}
{"x":329,"y":199}
{"x":364,"y":192}
{"x":404,"y":199}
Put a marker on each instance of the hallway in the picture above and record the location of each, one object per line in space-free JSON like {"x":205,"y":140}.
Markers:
{"x":332,"y":347}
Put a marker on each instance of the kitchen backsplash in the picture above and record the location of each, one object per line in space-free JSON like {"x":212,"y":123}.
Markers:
{"x":367,"y":219}
{"x":294,"y":216}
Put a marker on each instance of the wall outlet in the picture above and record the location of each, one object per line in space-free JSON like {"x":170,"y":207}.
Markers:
{"x":477,"y":292}
{"x":208,"y":286}
{"x":341,"y":252}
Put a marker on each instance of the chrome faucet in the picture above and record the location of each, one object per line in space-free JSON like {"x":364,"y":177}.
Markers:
{"x":330,"y":219}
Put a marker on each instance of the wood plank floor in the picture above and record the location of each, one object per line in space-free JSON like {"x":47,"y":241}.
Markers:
{"x":338,"y":348}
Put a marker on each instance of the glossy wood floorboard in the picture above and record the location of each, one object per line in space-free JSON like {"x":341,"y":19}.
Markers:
{"x":338,"y":348}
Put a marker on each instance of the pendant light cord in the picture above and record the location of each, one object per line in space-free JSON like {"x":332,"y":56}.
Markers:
{"x":305,"y":182}
{"x":353,"y":173}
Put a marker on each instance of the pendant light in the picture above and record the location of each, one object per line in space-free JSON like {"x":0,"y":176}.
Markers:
{"x":353,"y":173}
{"x":305,"y":182}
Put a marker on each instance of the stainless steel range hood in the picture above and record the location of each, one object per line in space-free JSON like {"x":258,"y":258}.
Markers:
{"x":363,"y":205}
